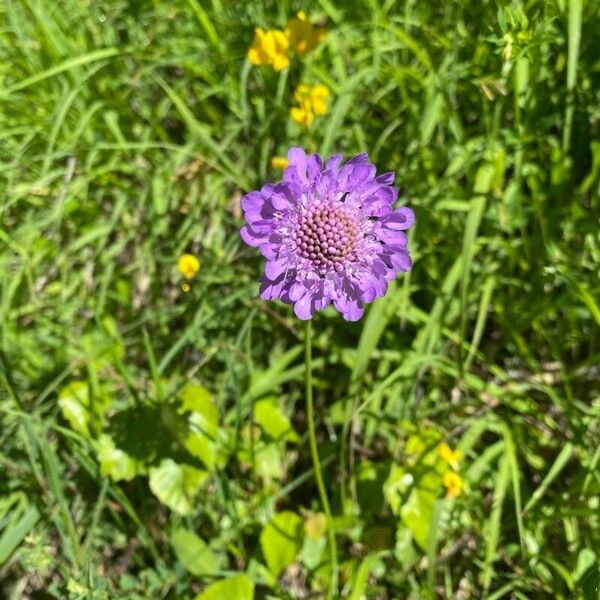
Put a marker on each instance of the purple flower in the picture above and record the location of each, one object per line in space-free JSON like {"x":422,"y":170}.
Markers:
{"x":329,"y":234}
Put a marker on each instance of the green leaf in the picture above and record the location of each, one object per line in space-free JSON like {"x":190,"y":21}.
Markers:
{"x":14,"y":534}
{"x":378,"y":537}
{"x":194,"y":553}
{"x":370,"y":481}
{"x":362,"y":575}
{"x":274,"y":423}
{"x":312,"y":551}
{"x":83,"y":410}
{"x":416,"y":513}
{"x":74,"y":401}
{"x":235,"y":588}
{"x":281,"y":541}
{"x":114,"y":462}
{"x":203,"y":424}
{"x":176,"y":485}
{"x":266,"y":460}
{"x":129,"y":428}
{"x":423,"y":446}
{"x":195,"y":398}
{"x":397,"y":483}
{"x":587,"y":573}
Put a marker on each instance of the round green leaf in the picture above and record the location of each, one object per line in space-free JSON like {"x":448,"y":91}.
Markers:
{"x":281,"y":541}
{"x":235,"y":588}
{"x":176,"y":485}
{"x":194,"y":552}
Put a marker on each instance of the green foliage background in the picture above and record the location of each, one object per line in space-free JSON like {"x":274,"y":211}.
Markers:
{"x":153,"y":441}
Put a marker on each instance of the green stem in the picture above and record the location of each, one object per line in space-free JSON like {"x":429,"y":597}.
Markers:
{"x":310,"y":417}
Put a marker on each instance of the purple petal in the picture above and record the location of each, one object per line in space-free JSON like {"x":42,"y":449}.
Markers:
{"x":270,"y":290}
{"x":266,"y":190}
{"x":251,"y":236}
{"x":401,"y":261}
{"x":296,"y":170}
{"x":401,"y":218}
{"x":371,"y":286}
{"x":361,"y":173}
{"x":304,"y":308}
{"x":270,"y":251}
{"x":296,"y":291}
{"x":379,"y":267}
{"x":350,"y":309}
{"x":391,"y":236}
{"x":315,"y":166}
{"x":274,"y":268}
{"x":386,"y":178}
{"x":333,"y":163}
{"x":359,"y":159}
{"x":252,"y":201}
{"x":280,"y":201}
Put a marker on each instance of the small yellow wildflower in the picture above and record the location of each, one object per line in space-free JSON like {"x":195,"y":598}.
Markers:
{"x":303,"y":36}
{"x":454,"y":484}
{"x":186,"y":287}
{"x":318,"y":98}
{"x":270,"y":48}
{"x":312,"y":100}
{"x":279,"y":162}
{"x":188,"y":265}
{"x":315,"y":525}
{"x":449,"y":456}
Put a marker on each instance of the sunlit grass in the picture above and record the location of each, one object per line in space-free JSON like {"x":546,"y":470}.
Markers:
{"x":152,"y":433}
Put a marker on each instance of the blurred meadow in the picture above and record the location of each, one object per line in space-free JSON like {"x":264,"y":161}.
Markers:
{"x":153,"y":430}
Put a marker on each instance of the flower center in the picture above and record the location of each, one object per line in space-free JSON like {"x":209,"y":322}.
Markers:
{"x":327,"y":236}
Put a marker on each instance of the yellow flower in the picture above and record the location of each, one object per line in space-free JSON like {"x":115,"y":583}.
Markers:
{"x":188,"y":265}
{"x":315,"y":525}
{"x":318,"y":99}
{"x":312,"y":100}
{"x":302,"y":93}
{"x":302,"y":115}
{"x":454,"y":484}
{"x":449,"y":456}
{"x":270,"y":48}
{"x":279,"y":162}
{"x":303,"y":36}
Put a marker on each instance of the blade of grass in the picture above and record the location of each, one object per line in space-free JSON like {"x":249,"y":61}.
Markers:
{"x":15,"y":534}
{"x":153,"y":366}
{"x":515,"y":474}
{"x":72,"y":63}
{"x":559,"y":464}
{"x":574,"y":42}
{"x":493,"y":524}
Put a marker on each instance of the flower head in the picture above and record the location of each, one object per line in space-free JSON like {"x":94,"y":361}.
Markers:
{"x":329,"y":234}
{"x":188,"y":265}
{"x":312,"y":101}
{"x":454,"y":484}
{"x":270,"y":48}
{"x":449,"y":456}
{"x":303,"y":36}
